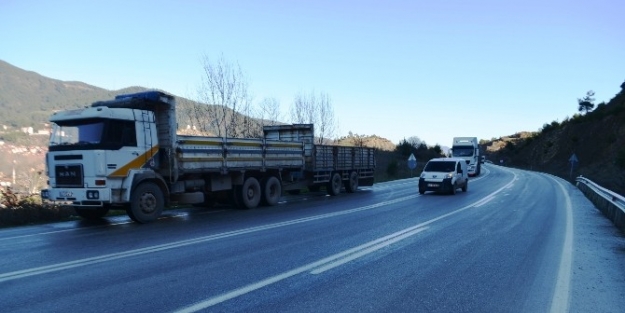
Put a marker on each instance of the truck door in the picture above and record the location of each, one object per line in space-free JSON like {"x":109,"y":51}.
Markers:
{"x":127,"y":150}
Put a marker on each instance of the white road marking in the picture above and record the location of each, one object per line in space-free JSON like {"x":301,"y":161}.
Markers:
{"x":484,"y":201}
{"x":114,"y":256}
{"x":333,"y":260}
{"x":560,"y":300}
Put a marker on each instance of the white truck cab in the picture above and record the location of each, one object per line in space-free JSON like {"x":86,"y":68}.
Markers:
{"x":467,"y":148}
{"x":444,"y":175}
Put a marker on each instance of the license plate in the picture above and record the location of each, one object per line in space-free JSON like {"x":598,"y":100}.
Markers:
{"x":432,"y":185}
{"x":66,"y":194}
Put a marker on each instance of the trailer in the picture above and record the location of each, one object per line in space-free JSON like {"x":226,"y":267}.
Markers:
{"x":125,"y":154}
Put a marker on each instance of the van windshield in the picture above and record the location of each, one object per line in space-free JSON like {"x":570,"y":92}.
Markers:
{"x":444,"y":166}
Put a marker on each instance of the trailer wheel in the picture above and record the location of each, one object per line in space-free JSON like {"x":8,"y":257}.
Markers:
{"x":272,"y":190}
{"x":334,"y":185}
{"x":146,"y":203}
{"x":351,"y":185}
{"x":249,"y":195}
{"x":91,"y":214}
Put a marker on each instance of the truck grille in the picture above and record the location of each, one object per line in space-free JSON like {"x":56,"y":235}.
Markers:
{"x":68,"y":175}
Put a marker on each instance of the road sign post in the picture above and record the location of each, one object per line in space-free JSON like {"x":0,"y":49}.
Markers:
{"x":412,"y":163}
{"x":573,"y":160}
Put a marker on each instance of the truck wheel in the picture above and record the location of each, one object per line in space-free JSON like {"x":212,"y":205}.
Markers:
{"x":272,"y":190}
{"x":146,"y":203}
{"x":453,"y":189}
{"x":249,"y":197}
{"x":91,"y":214}
{"x":466,"y":186}
{"x":334,"y":185}
{"x":351,"y":185}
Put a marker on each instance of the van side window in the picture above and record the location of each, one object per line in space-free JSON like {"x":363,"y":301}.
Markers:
{"x":458,"y":168}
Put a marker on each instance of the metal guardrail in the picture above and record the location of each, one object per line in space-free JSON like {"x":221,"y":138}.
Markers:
{"x":606,"y":193}
{"x":611,"y":204}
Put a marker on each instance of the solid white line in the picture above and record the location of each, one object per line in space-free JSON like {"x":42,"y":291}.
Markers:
{"x":484,"y":201}
{"x":329,"y":262}
{"x":114,"y":256}
{"x":560,"y":300}
{"x":274,"y":279}
{"x":364,"y":252}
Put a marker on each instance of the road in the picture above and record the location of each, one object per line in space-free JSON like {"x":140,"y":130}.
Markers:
{"x":516,"y":241}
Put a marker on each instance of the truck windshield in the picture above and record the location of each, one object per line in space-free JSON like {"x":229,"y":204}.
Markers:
{"x":462,"y":151}
{"x":92,"y":134}
{"x":86,"y":132}
{"x":445,"y":166}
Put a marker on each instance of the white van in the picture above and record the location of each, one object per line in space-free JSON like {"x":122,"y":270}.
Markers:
{"x":444,"y":175}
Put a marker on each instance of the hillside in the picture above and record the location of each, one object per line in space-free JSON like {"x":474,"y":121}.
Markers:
{"x":597,"y":139}
{"x":28,"y":99}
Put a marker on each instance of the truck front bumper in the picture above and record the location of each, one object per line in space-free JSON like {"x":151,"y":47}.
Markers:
{"x":92,"y":197}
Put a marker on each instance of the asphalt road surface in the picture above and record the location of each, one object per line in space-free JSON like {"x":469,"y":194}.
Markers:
{"x":516,"y":241}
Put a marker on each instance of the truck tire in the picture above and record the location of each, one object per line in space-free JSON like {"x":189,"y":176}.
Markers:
{"x":334,"y":185}
{"x":249,"y":195}
{"x":466,"y":186}
{"x":146,"y":203}
{"x":351,"y":185}
{"x":91,"y":214}
{"x":453,"y":189}
{"x":272,"y":190}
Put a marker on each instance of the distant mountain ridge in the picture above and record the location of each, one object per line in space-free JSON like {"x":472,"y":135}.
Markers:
{"x":27,"y":99}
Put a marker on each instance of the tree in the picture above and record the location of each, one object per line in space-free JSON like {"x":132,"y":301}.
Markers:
{"x":586,"y":104}
{"x":223,"y":95}
{"x":315,"y":109}
{"x":269,"y":112}
{"x":414,"y":141}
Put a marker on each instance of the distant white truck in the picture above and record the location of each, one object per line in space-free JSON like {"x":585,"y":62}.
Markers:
{"x":467,"y":148}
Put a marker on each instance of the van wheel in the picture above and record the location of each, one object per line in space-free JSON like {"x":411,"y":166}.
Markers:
{"x":421,"y":191}
{"x":465,"y":187}
{"x":453,"y":189}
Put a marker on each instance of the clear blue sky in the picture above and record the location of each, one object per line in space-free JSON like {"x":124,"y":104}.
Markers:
{"x":396,"y":69}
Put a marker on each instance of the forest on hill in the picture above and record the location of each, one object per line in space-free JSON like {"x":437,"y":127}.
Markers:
{"x":595,"y":137}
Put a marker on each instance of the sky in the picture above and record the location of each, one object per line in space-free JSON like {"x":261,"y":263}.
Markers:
{"x":435,"y":69}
